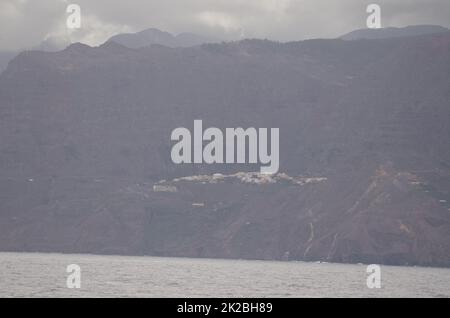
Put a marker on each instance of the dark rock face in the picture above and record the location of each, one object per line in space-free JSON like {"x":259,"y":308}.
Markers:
{"x":85,"y":136}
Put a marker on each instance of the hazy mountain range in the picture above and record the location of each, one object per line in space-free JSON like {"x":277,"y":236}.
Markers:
{"x":391,"y":32}
{"x":50,"y":44}
{"x":364,"y":150}
{"x":154,"y":36}
{"x":140,"y":39}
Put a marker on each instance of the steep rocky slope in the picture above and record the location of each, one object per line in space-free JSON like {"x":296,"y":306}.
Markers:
{"x":85,"y":143}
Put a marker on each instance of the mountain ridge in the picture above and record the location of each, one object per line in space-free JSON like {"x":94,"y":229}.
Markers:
{"x":394,"y":32}
{"x":154,"y":36}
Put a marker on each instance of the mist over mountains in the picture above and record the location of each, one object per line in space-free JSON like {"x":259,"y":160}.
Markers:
{"x":154,"y":36}
{"x":50,"y":44}
{"x":147,"y":37}
{"x":391,"y":32}
{"x":85,"y":150}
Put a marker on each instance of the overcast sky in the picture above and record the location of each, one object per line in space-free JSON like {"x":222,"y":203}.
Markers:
{"x":26,"y":23}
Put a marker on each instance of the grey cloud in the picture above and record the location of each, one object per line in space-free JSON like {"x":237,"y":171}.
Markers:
{"x":25,"y":23}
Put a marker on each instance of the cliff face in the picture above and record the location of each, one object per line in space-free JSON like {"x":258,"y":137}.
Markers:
{"x":85,"y":141}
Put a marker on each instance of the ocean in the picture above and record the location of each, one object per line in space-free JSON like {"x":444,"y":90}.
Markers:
{"x":45,"y":275}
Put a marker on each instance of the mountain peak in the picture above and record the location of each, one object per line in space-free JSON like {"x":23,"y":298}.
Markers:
{"x":153,"y":36}
{"x":77,"y":47}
